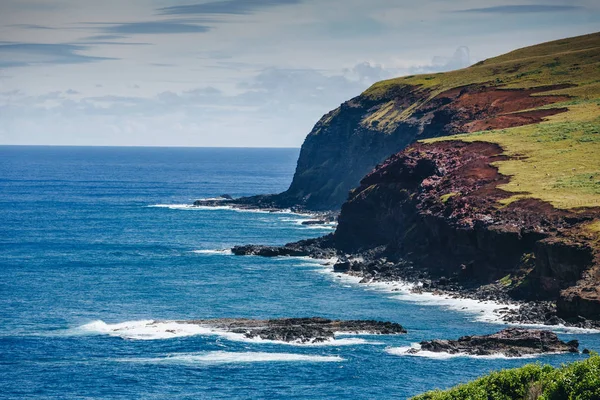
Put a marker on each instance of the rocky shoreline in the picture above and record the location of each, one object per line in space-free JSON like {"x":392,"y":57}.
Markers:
{"x":378,"y":265}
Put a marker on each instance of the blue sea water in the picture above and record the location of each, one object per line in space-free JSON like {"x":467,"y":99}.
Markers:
{"x":93,"y":244}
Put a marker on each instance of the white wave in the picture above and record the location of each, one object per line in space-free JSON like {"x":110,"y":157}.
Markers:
{"x":296,"y":221}
{"x":566,"y":330}
{"x":143,"y":330}
{"x":222,"y":357}
{"x":223,"y":207}
{"x":160,"y":330}
{"x":325,"y":227}
{"x":171,"y":206}
{"x":404,"y":351}
{"x":300,"y":223}
{"x":226,"y":252}
{"x":483,"y":311}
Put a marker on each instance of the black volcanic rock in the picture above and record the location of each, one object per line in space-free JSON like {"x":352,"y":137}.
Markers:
{"x":302,"y":330}
{"x":320,"y":248}
{"x":511,"y":342}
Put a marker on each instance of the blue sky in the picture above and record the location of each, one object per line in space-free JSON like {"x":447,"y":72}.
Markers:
{"x":236,"y":72}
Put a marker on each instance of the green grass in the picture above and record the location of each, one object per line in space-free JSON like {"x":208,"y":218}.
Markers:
{"x":568,"y":61}
{"x":576,"y":381}
{"x":573,"y":61}
{"x":557,"y":161}
{"x":444,"y":199}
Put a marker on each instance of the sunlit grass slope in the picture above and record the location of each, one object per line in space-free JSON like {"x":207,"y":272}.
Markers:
{"x":557,"y":160}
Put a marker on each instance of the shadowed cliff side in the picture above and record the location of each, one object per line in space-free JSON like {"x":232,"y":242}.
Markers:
{"x":516,"y":89}
{"x":502,"y":187}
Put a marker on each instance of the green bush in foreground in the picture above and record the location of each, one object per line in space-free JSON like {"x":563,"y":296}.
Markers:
{"x":576,"y":381}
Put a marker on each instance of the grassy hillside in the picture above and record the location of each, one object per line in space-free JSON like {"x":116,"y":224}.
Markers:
{"x":517,"y":89}
{"x":567,"y":61}
{"x":556,"y":160}
{"x":579,"y":380}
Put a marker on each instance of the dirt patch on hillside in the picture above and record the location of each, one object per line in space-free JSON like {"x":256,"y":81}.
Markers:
{"x":477,"y":107}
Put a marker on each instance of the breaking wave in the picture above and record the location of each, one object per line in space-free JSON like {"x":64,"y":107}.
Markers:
{"x":223,"y":357}
{"x":404,"y":351}
{"x":161,"y":330}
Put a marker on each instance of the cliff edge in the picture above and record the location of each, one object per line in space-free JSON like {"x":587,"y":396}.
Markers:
{"x":512,"y":204}
{"x":519,"y":88}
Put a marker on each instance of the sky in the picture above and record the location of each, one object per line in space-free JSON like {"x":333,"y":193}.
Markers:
{"x":236,"y":73}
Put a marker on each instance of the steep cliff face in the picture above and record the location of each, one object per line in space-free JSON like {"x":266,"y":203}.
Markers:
{"x":508,"y":91}
{"x":503,"y":184}
{"x":350,"y":141}
{"x":339,"y":152}
{"x":438,"y":205}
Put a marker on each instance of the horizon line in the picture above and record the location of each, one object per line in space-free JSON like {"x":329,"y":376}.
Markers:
{"x":146,"y":146}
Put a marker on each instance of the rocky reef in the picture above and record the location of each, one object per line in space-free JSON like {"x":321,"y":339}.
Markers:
{"x":300,"y":330}
{"x":512,"y":342}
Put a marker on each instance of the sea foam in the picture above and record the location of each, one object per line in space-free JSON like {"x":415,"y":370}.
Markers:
{"x":404,"y":351}
{"x":225,"y":252}
{"x":480,"y":311}
{"x":161,"y":330}
{"x":223,"y":207}
{"x":223,"y":357}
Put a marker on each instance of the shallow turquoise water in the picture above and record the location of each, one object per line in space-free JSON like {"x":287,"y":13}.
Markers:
{"x":83,"y":246}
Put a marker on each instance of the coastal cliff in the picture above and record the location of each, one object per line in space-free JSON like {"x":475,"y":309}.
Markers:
{"x":508,"y":202}
{"x":438,"y":206}
{"x":520,"y":88}
{"x":495,"y":180}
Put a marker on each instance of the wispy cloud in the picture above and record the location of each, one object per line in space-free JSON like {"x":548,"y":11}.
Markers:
{"x":238,"y":7}
{"x":520,"y":9}
{"x":105,"y":37}
{"x":25,"y":54}
{"x":33,"y":26}
{"x":155,"y":27}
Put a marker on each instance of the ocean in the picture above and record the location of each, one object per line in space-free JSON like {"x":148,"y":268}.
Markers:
{"x":96,"y":242}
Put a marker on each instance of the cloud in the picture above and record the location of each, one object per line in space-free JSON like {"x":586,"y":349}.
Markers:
{"x":105,"y":37}
{"x":368,"y":72}
{"x":33,"y":26}
{"x":162,"y":64}
{"x":520,"y":9}
{"x":116,"y":43}
{"x":26,"y":54}
{"x":155,"y":27}
{"x":460,"y":59}
{"x":236,"y":7}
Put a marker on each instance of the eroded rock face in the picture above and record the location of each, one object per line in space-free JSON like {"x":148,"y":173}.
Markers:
{"x":512,"y":342}
{"x":301,"y":330}
{"x":436,"y":205}
{"x":348,"y":142}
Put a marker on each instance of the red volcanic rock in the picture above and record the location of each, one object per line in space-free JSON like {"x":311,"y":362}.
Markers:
{"x":437,"y":206}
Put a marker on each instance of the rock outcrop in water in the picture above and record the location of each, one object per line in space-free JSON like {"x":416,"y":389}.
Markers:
{"x":512,"y":342}
{"x":300,"y":330}
{"x":315,"y":248}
